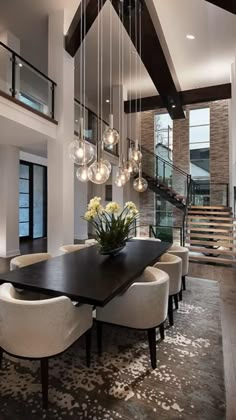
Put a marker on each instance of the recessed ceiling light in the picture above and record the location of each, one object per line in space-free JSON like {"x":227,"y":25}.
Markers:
{"x":76,"y":120}
{"x":190,"y":36}
{"x":173,"y":106}
{"x":107,"y":101}
{"x":20,"y":65}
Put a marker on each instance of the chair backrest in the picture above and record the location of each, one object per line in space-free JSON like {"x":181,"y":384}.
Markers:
{"x":172,"y":265}
{"x":91,"y":242}
{"x":28,"y":259}
{"x":146,"y":238}
{"x":183,"y":253}
{"x":145,"y":304}
{"x":38,"y":328}
{"x":72,"y":248}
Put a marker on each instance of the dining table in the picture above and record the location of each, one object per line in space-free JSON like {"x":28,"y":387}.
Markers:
{"x":86,"y":276}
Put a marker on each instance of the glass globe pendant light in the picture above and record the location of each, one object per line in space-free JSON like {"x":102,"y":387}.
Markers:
{"x":110,"y":135}
{"x":136,"y":154}
{"x":79,"y":151}
{"x":140,"y":184}
{"x":131,"y":165}
{"x":82,"y":173}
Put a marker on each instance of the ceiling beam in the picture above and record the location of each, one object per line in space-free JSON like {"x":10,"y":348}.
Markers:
{"x":76,"y":33}
{"x":228,"y":5}
{"x":153,"y":58}
{"x":186,"y":97}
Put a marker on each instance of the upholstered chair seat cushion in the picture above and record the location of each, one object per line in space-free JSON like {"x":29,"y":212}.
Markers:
{"x":146,"y":238}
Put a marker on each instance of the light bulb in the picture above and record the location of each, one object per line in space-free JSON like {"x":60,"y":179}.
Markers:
{"x":140,"y":184}
{"x":81,"y":152}
{"x":110,"y":136}
{"x":98,"y":172}
{"x":82,"y":174}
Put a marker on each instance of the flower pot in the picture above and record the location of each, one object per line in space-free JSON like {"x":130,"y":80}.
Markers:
{"x":112,"y":252}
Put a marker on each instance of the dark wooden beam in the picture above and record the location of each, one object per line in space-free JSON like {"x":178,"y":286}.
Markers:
{"x":73,"y":38}
{"x":186,"y":97}
{"x":153,"y":58}
{"x":228,"y":5}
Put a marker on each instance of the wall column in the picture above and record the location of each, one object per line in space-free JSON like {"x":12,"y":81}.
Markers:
{"x":9,"y":193}
{"x":81,"y":199}
{"x":60,"y":166}
{"x":232,"y":136}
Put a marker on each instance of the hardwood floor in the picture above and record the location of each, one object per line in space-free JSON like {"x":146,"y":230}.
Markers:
{"x":226,"y":277}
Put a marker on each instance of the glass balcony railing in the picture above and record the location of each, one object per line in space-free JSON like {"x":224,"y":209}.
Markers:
{"x":22,"y":81}
{"x":93,"y":124}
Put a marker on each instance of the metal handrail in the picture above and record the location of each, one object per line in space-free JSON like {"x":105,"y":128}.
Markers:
{"x":180,"y":228}
{"x":164,"y":161}
{"x":27,"y":62}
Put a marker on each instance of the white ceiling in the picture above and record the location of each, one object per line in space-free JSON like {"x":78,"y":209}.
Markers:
{"x":109,"y":18}
{"x":28,"y":20}
{"x":206,"y":60}
{"x":202,"y":62}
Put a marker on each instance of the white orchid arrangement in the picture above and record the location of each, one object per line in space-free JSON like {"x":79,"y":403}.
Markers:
{"x":113,"y":225}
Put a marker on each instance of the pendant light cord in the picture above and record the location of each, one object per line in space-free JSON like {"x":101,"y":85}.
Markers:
{"x":119,"y":78}
{"x":98,"y":79}
{"x":140,"y":74}
{"x":111,"y":58}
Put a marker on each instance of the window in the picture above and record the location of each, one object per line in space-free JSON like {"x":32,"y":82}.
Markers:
{"x":163,"y":136}
{"x":199,"y":141}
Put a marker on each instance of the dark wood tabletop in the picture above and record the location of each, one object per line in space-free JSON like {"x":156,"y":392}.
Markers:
{"x":85,"y":275}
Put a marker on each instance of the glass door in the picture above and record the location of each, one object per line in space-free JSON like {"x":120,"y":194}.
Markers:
{"x":32,"y":200}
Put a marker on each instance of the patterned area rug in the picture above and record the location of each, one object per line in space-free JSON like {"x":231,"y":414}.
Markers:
{"x":187,"y":384}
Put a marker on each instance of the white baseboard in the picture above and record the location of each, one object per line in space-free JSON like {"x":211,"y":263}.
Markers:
{"x":10,"y":254}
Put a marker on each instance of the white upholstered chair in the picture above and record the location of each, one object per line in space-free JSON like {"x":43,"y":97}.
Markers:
{"x":183,"y":253}
{"x":91,"y":242}
{"x":172,"y":265}
{"x":41,"y":329}
{"x":143,"y":306}
{"x":72,"y":248}
{"x":28,"y":259}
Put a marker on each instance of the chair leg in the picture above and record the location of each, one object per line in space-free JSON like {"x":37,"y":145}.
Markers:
{"x":170,"y":311}
{"x":1,"y":353}
{"x":44,"y":378}
{"x":99,"y":337}
{"x":180,"y":295}
{"x":183,"y":282}
{"x":176,"y":301}
{"x":152,"y":346}
{"x":162,"y":331}
{"x":88,"y":335}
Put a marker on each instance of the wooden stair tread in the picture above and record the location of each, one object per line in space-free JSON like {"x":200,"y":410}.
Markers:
{"x":211,"y":251}
{"x":231,"y":225}
{"x":211,"y":207}
{"x":210,"y":217}
{"x":209,"y":229}
{"x":212,"y":259}
{"x":223,"y":213}
{"x":211,"y":236}
{"x":210,"y":243}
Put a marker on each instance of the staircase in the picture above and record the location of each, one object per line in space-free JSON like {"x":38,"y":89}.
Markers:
{"x":166,"y":180}
{"x":211,"y":234}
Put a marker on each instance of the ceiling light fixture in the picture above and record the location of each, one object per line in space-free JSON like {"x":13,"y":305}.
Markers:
{"x":107,"y":101}
{"x":190,"y":36}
